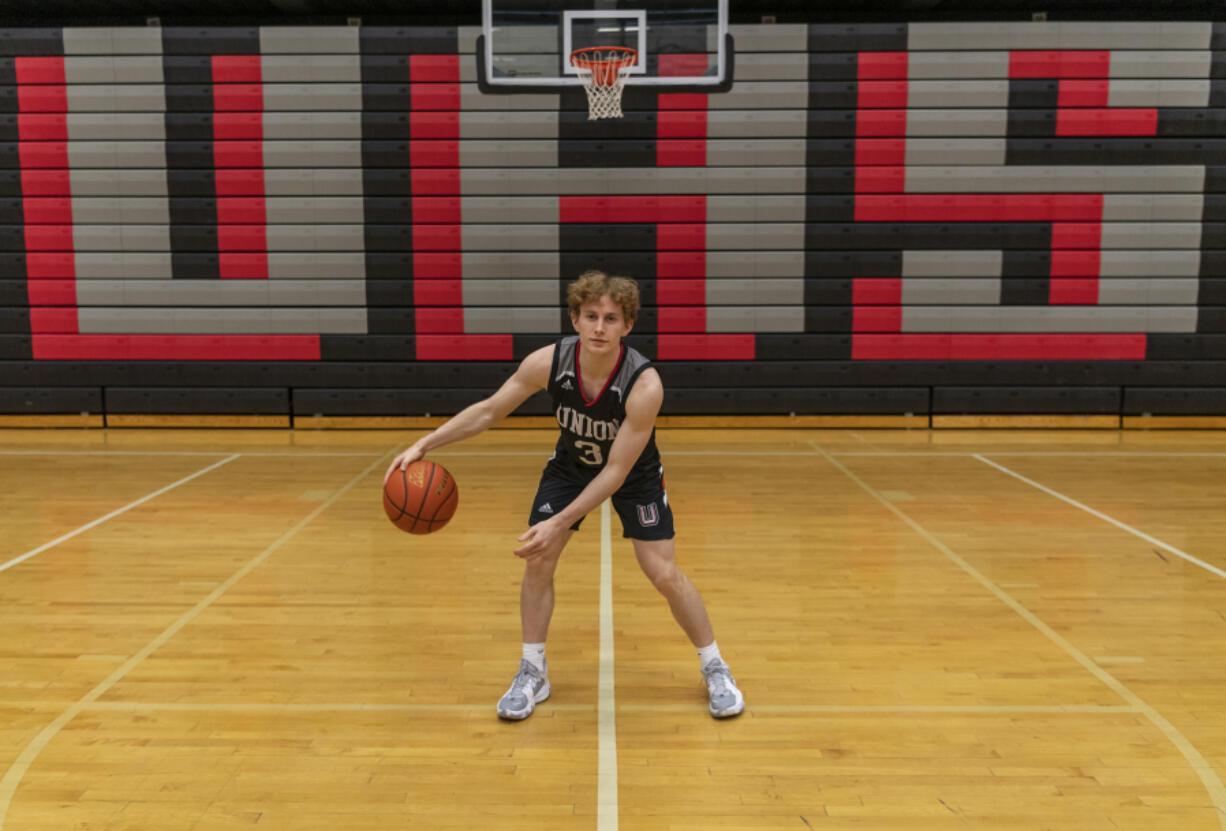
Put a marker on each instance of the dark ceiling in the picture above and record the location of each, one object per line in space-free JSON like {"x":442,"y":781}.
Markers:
{"x":468,"y":12}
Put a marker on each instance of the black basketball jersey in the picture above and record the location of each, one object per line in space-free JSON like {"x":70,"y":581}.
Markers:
{"x":589,"y":427}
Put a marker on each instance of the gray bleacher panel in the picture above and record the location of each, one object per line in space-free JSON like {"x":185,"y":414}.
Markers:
{"x":339,"y":125}
{"x":472,"y":99}
{"x":757,"y":124}
{"x":1148,"y":290}
{"x":150,"y":182}
{"x":116,"y":154}
{"x":523,"y":153}
{"x":1161,"y":64}
{"x":1050,"y":319}
{"x":762,"y":95}
{"x":751,"y":291}
{"x":759,"y":263}
{"x":946,"y":122}
{"x":510,"y":264}
{"x":764,"y":153}
{"x":295,"y":69}
{"x":125,"y":40}
{"x":922,"y":291}
{"x":1173,"y":263}
{"x":103,"y":98}
{"x":511,"y":238}
{"x":121,"y":237}
{"x":312,"y":97}
{"x":786,"y":37}
{"x":772,"y":66}
{"x":956,"y":65}
{"x":755,"y":319}
{"x":312,"y":154}
{"x":130,"y":69}
{"x":318,"y":266}
{"x":309,"y":40}
{"x":531,"y":209}
{"x":969,"y":94}
{"x":766,"y":235}
{"x":315,"y":237}
{"x":755,"y":208}
{"x":508,"y":125}
{"x":479,"y":321}
{"x":1179,"y":92}
{"x":955,"y":263}
{"x":127,"y":264}
{"x":1056,"y":179}
{"x":1059,"y":35}
{"x":313,"y":182}
{"x":314,"y":209}
{"x":1151,"y":235}
{"x":520,"y":291}
{"x":1122,"y":207}
{"x":136,"y":210}
{"x":108,"y":126}
{"x":978,"y":151}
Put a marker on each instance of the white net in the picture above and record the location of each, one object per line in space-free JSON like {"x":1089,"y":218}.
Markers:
{"x":604,"y":77}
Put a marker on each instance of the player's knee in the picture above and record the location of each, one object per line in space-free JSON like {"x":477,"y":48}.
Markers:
{"x":666,"y":577}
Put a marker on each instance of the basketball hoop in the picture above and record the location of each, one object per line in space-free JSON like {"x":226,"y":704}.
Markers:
{"x":603,"y":70}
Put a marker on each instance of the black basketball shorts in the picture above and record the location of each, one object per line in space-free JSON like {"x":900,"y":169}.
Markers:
{"x":641,"y":503}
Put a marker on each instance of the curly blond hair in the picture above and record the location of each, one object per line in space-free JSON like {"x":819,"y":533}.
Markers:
{"x":593,"y":285}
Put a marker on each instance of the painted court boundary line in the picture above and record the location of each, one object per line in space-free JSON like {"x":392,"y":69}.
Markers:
{"x":1122,"y":526}
{"x":36,"y":551}
{"x":1205,"y":771}
{"x":12,"y":778}
{"x":606,"y":721}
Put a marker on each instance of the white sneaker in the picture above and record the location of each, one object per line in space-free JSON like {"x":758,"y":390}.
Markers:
{"x":529,"y":688}
{"x":726,"y":699}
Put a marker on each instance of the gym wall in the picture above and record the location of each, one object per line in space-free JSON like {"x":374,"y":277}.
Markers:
{"x":884,"y":219}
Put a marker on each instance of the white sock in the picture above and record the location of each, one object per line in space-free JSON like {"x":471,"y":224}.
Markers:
{"x":708,"y":653}
{"x":534,"y":653}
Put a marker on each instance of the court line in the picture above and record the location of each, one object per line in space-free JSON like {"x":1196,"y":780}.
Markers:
{"x":34,"y":552}
{"x":346,"y":707}
{"x":1208,"y":776}
{"x":606,"y":789}
{"x":903,"y":709}
{"x":12,"y":778}
{"x":1122,"y":526}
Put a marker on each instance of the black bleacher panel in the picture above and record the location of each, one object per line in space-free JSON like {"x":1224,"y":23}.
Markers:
{"x":49,"y":400}
{"x":197,"y":400}
{"x":1015,"y":400}
{"x":14,"y":347}
{"x":1164,"y":401}
{"x":829,"y":401}
{"x":352,"y":402}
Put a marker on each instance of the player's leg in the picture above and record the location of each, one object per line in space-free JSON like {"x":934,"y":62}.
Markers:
{"x":647,"y":520}
{"x":658,"y":560}
{"x":531,"y":683}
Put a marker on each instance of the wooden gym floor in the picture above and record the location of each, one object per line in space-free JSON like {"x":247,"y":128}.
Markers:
{"x":934,"y":630}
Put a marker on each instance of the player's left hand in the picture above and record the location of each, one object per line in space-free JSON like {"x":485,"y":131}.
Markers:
{"x":540,"y":538}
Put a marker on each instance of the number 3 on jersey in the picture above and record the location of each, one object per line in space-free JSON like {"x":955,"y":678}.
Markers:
{"x":591,"y":453}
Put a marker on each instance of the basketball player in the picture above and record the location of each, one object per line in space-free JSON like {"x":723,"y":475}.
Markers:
{"x":606,"y":397}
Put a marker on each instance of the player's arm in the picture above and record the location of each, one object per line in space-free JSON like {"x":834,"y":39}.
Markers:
{"x":531,"y":376}
{"x":642,"y":407}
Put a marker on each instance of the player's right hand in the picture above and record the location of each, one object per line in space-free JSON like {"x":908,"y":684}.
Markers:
{"x":402,"y":461}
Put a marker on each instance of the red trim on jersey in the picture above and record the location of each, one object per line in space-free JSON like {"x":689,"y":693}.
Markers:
{"x":579,"y":375}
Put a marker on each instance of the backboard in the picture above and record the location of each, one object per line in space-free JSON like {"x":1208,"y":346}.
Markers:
{"x":526,"y":44}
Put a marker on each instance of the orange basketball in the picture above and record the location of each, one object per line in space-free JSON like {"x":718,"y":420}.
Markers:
{"x":422,"y":498}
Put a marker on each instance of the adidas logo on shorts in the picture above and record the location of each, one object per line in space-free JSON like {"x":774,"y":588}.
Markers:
{"x":567,"y":385}
{"x":545,"y":509}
